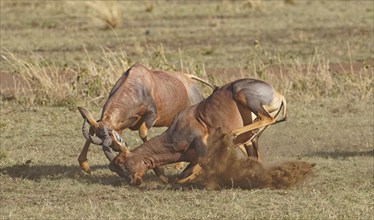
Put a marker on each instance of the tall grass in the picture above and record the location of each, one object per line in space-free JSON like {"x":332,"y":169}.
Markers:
{"x":41,"y":82}
{"x":315,"y":79}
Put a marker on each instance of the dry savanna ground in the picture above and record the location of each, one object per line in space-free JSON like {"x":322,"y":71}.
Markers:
{"x":56,"y":56}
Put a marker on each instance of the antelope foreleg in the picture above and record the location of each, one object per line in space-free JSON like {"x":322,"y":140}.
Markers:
{"x":143,"y":132}
{"x":195,"y":172}
{"x":161,"y":174}
{"x":82,"y":158}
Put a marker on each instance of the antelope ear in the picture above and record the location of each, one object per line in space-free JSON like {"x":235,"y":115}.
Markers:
{"x":119,"y":142}
{"x":87,"y":115}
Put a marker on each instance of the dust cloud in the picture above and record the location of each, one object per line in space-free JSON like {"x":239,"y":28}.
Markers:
{"x":227,"y":167}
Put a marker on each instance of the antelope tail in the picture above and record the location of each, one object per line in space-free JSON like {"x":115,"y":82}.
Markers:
{"x":201,"y":80}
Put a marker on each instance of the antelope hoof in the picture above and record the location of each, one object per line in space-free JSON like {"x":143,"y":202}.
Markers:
{"x":85,"y":166}
{"x":186,"y":180}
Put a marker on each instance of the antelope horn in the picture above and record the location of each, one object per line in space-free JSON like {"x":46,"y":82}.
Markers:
{"x":87,"y":115}
{"x":108,"y":153}
{"x":105,"y":146}
{"x":87,"y":136}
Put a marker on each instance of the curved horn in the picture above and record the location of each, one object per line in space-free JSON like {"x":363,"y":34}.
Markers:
{"x":108,"y":153}
{"x":85,"y":133}
{"x":87,"y":115}
{"x":87,"y":136}
{"x":106,"y":143}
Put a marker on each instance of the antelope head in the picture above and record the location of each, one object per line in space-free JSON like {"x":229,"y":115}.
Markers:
{"x":126,"y":165}
{"x":99,"y":134}
{"x":121,"y":164}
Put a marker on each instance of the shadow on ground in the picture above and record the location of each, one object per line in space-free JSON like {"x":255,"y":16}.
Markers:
{"x":340,"y":154}
{"x":58,"y":172}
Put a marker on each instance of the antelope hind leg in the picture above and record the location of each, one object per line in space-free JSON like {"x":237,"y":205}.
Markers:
{"x":252,"y":150}
{"x":264,"y":121}
{"x":243,"y":150}
{"x":250,"y":147}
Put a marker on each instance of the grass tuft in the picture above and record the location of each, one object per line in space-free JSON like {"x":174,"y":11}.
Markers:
{"x":41,"y":82}
{"x":106,"y":11}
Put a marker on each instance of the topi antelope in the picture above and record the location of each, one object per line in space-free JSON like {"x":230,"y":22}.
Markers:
{"x":229,"y":108}
{"x":139,"y":100}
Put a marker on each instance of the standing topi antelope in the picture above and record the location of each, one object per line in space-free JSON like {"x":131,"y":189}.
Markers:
{"x":139,"y":100}
{"x":229,"y":108}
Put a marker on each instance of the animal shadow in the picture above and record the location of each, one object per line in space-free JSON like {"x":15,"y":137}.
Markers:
{"x":341,"y":154}
{"x":58,"y":172}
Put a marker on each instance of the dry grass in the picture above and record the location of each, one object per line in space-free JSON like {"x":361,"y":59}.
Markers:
{"x":43,"y":83}
{"x":51,"y":184}
{"x":107,"y":13}
{"x":317,"y":80}
{"x":47,"y":84}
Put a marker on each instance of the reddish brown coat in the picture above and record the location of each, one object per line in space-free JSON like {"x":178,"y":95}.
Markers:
{"x":228,"y":108}
{"x":139,"y":100}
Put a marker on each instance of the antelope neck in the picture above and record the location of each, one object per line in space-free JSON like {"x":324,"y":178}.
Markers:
{"x":156,"y":152}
